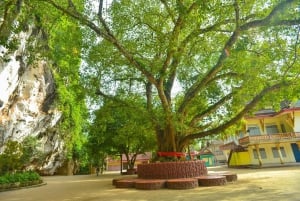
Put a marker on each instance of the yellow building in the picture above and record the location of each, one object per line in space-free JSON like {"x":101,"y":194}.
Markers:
{"x":269,"y":138}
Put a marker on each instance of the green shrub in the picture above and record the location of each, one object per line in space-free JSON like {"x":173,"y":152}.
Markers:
{"x":12,"y":178}
{"x":17,"y":156}
{"x":33,"y":176}
{"x":21,"y":177}
{"x":3,"y":180}
{"x":84,"y":170}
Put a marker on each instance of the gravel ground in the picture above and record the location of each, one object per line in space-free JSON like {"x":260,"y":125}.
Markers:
{"x":277,"y":183}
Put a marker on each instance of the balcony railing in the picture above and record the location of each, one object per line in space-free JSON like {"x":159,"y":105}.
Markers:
{"x":270,"y":138}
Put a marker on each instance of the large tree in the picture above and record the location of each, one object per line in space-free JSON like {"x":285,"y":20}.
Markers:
{"x":228,"y":56}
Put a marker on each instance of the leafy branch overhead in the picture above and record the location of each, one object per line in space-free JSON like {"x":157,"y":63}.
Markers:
{"x":227,"y":57}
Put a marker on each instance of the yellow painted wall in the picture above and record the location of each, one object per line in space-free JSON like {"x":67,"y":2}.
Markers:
{"x":267,"y":121}
{"x":270,"y":159}
{"x":278,"y":120}
{"x":240,"y":158}
{"x":247,"y":158}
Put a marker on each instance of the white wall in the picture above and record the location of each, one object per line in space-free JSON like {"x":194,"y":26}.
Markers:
{"x":297,"y":122}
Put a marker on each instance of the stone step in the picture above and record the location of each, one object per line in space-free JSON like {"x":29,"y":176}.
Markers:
{"x":230,"y":176}
{"x":212,"y":180}
{"x":184,"y":183}
{"x":125,"y":183}
{"x":150,"y":184}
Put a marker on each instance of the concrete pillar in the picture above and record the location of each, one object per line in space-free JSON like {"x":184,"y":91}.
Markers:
{"x":258,"y":155}
{"x":279,"y":152}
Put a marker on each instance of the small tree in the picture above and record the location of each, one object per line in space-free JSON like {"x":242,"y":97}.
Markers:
{"x":10,"y":159}
{"x":31,"y":153}
{"x":120,"y":129}
{"x":19,"y":156}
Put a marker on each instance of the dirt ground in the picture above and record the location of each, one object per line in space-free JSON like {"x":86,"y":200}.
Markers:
{"x":280,"y":184}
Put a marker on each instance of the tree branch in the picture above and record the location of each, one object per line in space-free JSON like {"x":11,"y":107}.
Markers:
{"x":11,"y":10}
{"x":238,"y":116}
{"x":71,"y":5}
{"x":295,"y":54}
{"x":107,"y":35}
{"x":268,"y":19}
{"x":197,"y":86}
{"x":175,"y":52}
{"x":172,"y":45}
{"x":210,"y":109}
{"x":237,"y":13}
{"x":100,"y":9}
{"x":165,"y":3}
{"x":119,"y":101}
{"x":76,"y":15}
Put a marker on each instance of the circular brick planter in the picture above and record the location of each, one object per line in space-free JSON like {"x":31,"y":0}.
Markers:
{"x":185,"y":183}
{"x":174,"y":175}
{"x":172,"y":170}
{"x":212,"y":180}
{"x":150,"y":184}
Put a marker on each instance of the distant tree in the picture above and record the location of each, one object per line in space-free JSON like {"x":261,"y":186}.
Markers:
{"x":120,"y":129}
{"x":10,"y":159}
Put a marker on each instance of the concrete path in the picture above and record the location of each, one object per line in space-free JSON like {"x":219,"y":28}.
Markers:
{"x":280,"y":184}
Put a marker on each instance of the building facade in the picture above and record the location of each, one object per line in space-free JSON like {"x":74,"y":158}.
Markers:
{"x":269,"y":138}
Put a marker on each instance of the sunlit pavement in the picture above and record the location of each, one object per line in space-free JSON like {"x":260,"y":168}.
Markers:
{"x":253,"y":184}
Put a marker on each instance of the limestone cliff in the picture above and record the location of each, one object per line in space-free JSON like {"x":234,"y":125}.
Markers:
{"x":27,"y":93}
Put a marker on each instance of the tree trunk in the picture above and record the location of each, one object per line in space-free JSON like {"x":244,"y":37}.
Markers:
{"x":166,"y":139}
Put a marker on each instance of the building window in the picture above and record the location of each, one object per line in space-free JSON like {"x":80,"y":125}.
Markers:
{"x":218,"y":153}
{"x":276,"y":153}
{"x":262,"y":153}
{"x":272,"y":129}
{"x":255,"y":154}
{"x":253,"y":130}
{"x":241,"y":134}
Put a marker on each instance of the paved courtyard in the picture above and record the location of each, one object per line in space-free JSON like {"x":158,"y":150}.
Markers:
{"x":280,"y":184}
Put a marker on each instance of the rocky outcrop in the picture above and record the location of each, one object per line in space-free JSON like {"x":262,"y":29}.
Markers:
{"x":27,"y":94}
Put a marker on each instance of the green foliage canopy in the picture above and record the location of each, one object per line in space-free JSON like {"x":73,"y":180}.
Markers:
{"x":228,"y":57}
